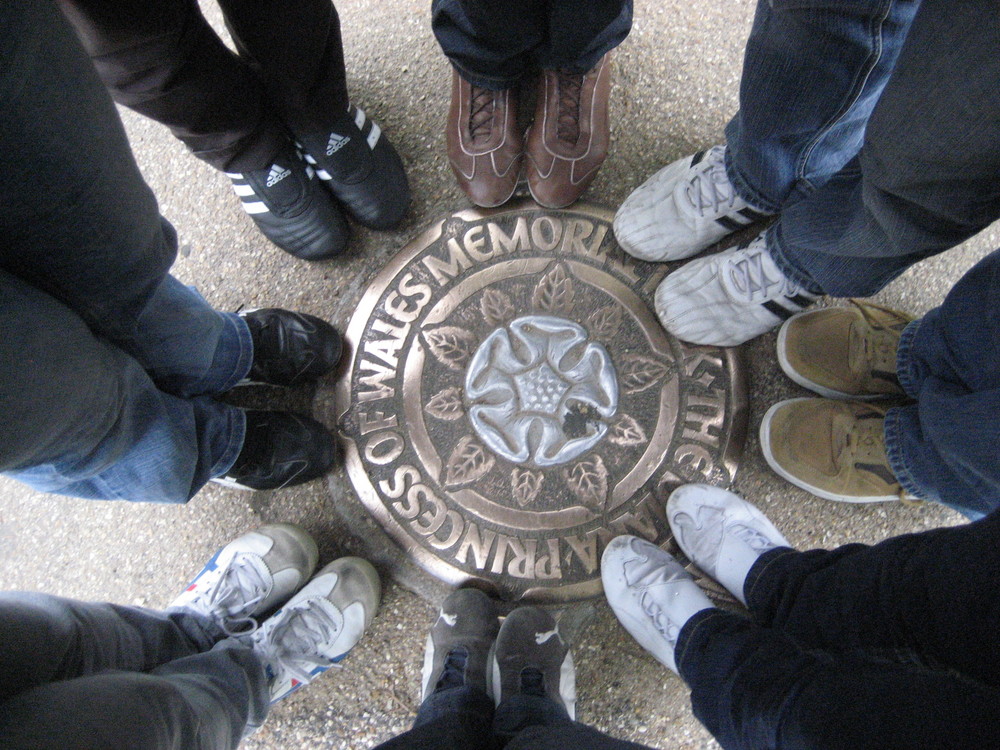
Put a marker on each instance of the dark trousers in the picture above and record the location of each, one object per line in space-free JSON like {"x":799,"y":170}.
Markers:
{"x":493,"y":44}
{"x":162,"y":59}
{"x":465,"y":718}
{"x":887,"y":646}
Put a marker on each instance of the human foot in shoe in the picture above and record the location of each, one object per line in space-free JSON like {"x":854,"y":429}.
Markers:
{"x":485,"y":147}
{"x":531,"y":658}
{"x":290,"y":348}
{"x":682,"y":209}
{"x":568,"y":140}
{"x":844,"y":352}
{"x":291,"y":208}
{"x":458,"y":645}
{"x":728,"y":298}
{"x":833,"y":449}
{"x":651,"y":595}
{"x":318,"y":626}
{"x":362,"y":169}
{"x":722,"y":533}
{"x":250,"y":576}
{"x":280,"y":449}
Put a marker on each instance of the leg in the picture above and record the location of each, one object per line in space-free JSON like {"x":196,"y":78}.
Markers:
{"x":925,"y":178}
{"x":929,"y":596}
{"x":754,"y":687}
{"x":824,"y":65}
{"x":83,"y":418}
{"x":162,"y":59}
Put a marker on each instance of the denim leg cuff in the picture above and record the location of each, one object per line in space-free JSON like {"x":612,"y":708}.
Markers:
{"x":745,"y":190}
{"x":779,"y":254}
{"x":905,"y":366}
{"x":753,"y":589}
{"x":493,"y":83}
{"x":237,"y":343}
{"x":895,"y":428}
{"x":237,"y":434}
{"x":696,"y":626}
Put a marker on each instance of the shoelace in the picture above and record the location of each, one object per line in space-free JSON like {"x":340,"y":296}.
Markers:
{"x":709,"y":189}
{"x":453,"y":673}
{"x":877,"y":350}
{"x":750,"y":278}
{"x":751,"y":537}
{"x":481,"y":117}
{"x":570,"y":90}
{"x":241,"y":586}
{"x":305,"y":626}
{"x":532,"y":682}
{"x":663,"y":624}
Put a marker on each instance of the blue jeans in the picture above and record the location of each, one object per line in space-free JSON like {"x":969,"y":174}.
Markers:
{"x":889,"y":646}
{"x":874,"y":158}
{"x":464,"y":717}
{"x":77,"y":675}
{"x":106,"y":362}
{"x":494,"y":45}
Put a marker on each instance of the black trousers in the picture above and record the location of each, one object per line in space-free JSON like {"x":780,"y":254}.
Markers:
{"x":234,"y":111}
{"x":493,"y":44}
{"x":887,"y":646}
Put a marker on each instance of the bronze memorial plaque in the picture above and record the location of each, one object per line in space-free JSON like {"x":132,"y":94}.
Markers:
{"x":512,"y":403}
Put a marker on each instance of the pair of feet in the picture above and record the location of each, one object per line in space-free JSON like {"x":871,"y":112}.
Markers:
{"x":468,"y":647}
{"x":259,"y":590}
{"x":281,"y":448}
{"x":299,"y":200}
{"x":652,"y":594}
{"x":561,"y":152}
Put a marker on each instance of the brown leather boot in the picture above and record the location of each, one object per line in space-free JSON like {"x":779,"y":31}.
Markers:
{"x":569,"y":139}
{"x":485,"y":147}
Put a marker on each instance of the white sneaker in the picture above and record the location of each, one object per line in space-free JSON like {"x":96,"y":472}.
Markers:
{"x":682,"y":209}
{"x":721,"y":532}
{"x":728,"y":298}
{"x":651,"y":594}
{"x":250,"y":576}
{"x":318,"y":626}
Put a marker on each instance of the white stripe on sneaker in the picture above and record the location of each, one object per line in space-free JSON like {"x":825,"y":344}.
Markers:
{"x":243,"y":190}
{"x":323,"y":174}
{"x":359,"y":118}
{"x":255,"y":207}
{"x":374,"y":135}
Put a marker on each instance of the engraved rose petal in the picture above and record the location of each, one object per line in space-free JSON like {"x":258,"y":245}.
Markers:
{"x":639,"y":373}
{"x":451,"y":345}
{"x":446,"y":404}
{"x":588,"y":479}
{"x":497,"y":307}
{"x":626,"y":431}
{"x":554,"y":292}
{"x":604,"y":323}
{"x":468,"y":462}
{"x":526,"y":485}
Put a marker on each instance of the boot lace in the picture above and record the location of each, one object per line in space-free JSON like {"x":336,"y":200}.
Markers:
{"x":305,"y":628}
{"x":755,"y":278}
{"x":709,"y":190}
{"x":570,"y":90}
{"x":242,"y":585}
{"x":484,"y":105}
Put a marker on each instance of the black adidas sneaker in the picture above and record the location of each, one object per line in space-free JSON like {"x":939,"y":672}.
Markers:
{"x":361,"y":168}
{"x":292,"y":209}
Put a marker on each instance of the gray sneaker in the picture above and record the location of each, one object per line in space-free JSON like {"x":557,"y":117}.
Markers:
{"x":531,"y":658}
{"x":459,"y":643}
{"x":318,"y":626}
{"x":250,"y":576}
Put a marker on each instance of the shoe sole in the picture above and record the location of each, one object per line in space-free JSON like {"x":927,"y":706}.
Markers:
{"x":765,"y":446}
{"x":800,"y":379}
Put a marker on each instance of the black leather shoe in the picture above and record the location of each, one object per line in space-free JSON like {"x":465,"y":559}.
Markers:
{"x":280,"y":449}
{"x":361,"y":168}
{"x":290,"y":207}
{"x":290,"y":348}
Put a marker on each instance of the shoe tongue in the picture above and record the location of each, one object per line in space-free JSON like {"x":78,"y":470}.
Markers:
{"x":532,"y":682}
{"x":570,"y":89}
{"x":256,"y":447}
{"x":453,"y":674}
{"x":279,"y":184}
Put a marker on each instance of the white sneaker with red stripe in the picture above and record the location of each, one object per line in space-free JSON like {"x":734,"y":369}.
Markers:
{"x":682,"y":209}
{"x":249,"y":577}
{"x":318,"y":626}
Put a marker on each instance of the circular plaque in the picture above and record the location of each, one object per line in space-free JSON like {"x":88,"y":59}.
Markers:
{"x":512,"y":403}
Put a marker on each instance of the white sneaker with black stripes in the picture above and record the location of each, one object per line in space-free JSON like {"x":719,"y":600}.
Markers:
{"x":360,"y":167}
{"x":682,"y":209}
{"x":728,"y":298}
{"x":292,"y":208}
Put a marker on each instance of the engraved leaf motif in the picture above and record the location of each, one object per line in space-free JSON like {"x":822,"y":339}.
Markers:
{"x":526,"y":485}
{"x":451,"y":345}
{"x":588,"y":479}
{"x":604,"y":323}
{"x":639,"y":373}
{"x":554,"y":291}
{"x":497,"y":307}
{"x":446,"y":404}
{"x":626,"y":431}
{"x":468,"y":462}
